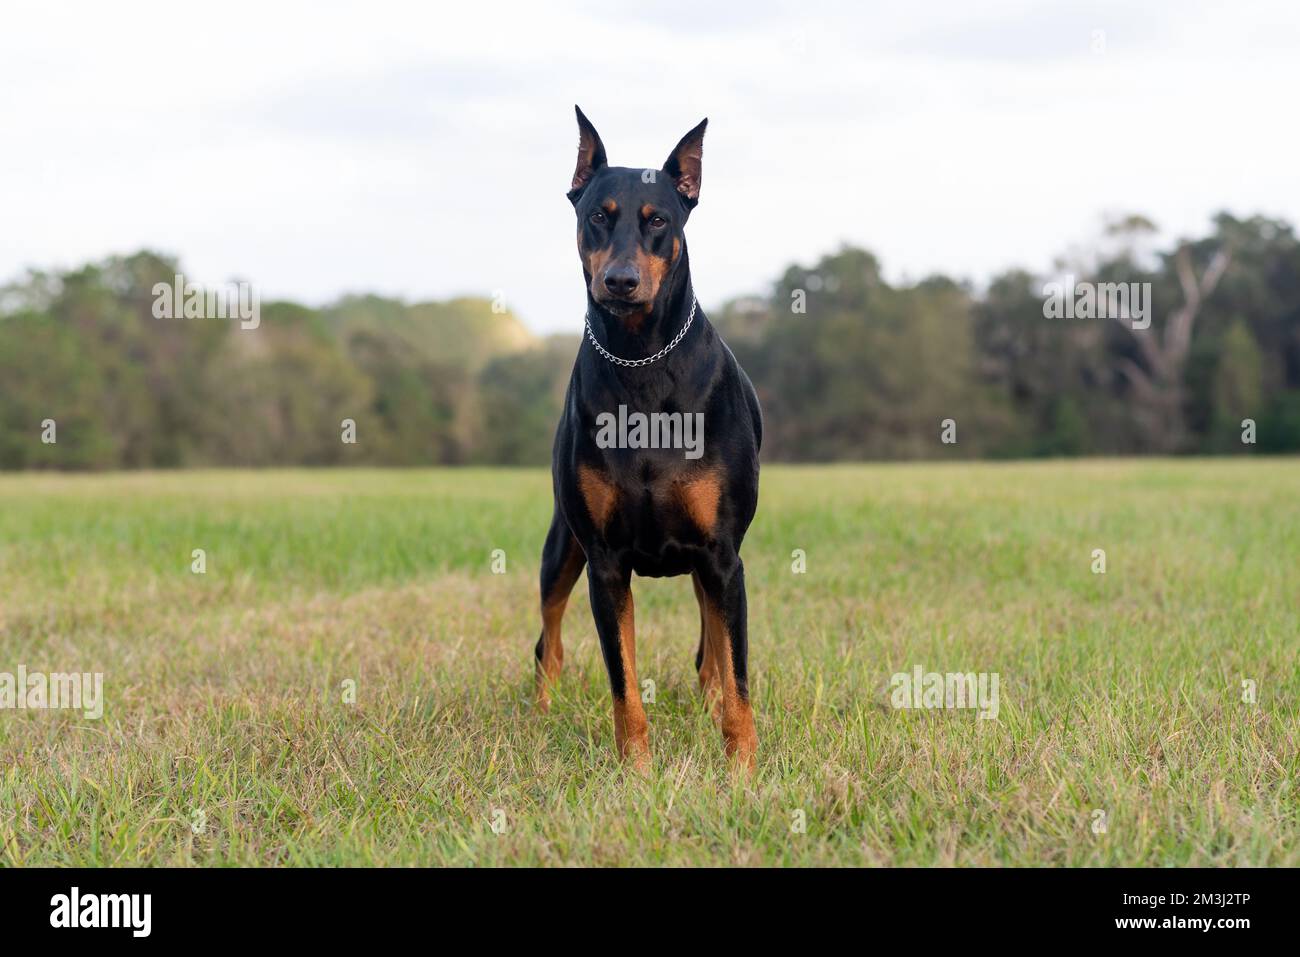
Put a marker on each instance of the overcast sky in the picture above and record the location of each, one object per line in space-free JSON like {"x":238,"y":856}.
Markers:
{"x":425,"y":151}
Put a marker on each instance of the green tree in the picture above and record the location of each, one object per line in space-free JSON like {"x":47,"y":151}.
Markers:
{"x":1238,"y":388}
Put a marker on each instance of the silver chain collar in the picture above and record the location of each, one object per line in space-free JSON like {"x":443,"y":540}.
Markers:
{"x":632,"y":363}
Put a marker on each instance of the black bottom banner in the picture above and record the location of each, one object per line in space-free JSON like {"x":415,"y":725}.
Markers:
{"x":1216,"y":907}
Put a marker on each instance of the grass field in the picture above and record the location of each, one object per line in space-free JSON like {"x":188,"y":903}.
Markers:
{"x":226,"y":738}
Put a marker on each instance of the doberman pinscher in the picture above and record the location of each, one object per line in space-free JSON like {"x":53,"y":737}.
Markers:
{"x":630,"y":502}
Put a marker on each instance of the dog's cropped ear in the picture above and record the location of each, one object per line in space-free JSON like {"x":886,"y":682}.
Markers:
{"x":684,"y":162}
{"x":591,"y":155}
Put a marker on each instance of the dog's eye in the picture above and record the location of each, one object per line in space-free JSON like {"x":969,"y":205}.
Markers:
{"x":658,"y":222}
{"x":598,"y":218}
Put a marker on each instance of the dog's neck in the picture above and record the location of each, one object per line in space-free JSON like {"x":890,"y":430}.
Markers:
{"x":643,"y":333}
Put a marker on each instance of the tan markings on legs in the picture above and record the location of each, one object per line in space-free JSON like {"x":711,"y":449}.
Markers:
{"x":599,"y":494}
{"x":708,"y":664}
{"x":631,"y":732}
{"x":738,"y":732}
{"x":553,"y":605}
{"x":700,"y":496}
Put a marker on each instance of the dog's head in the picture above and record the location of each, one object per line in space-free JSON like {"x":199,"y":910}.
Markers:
{"x":631,"y":222}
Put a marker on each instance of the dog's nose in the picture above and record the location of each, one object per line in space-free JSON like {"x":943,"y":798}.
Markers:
{"x":622,"y":280}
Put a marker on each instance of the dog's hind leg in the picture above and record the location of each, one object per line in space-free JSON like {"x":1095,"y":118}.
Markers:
{"x":562,"y":563}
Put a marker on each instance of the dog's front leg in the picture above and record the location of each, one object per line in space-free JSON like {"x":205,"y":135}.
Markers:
{"x":726,"y":632}
{"x":610,"y":586}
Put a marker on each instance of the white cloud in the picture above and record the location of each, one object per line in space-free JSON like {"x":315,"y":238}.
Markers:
{"x":424,"y":151}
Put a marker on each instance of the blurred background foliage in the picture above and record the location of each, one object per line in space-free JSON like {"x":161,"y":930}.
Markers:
{"x":868,"y":371}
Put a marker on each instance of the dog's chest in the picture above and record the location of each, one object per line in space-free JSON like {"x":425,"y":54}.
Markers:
{"x":661,"y":509}
{"x":683,"y":502}
{"x":669,"y":521}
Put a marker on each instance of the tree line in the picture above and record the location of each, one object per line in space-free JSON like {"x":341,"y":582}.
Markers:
{"x":848,"y":366}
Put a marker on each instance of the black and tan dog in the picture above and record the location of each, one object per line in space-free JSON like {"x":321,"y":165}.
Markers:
{"x":634,"y":505}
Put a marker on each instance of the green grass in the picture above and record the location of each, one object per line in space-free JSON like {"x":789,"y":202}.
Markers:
{"x":1120,"y":692}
